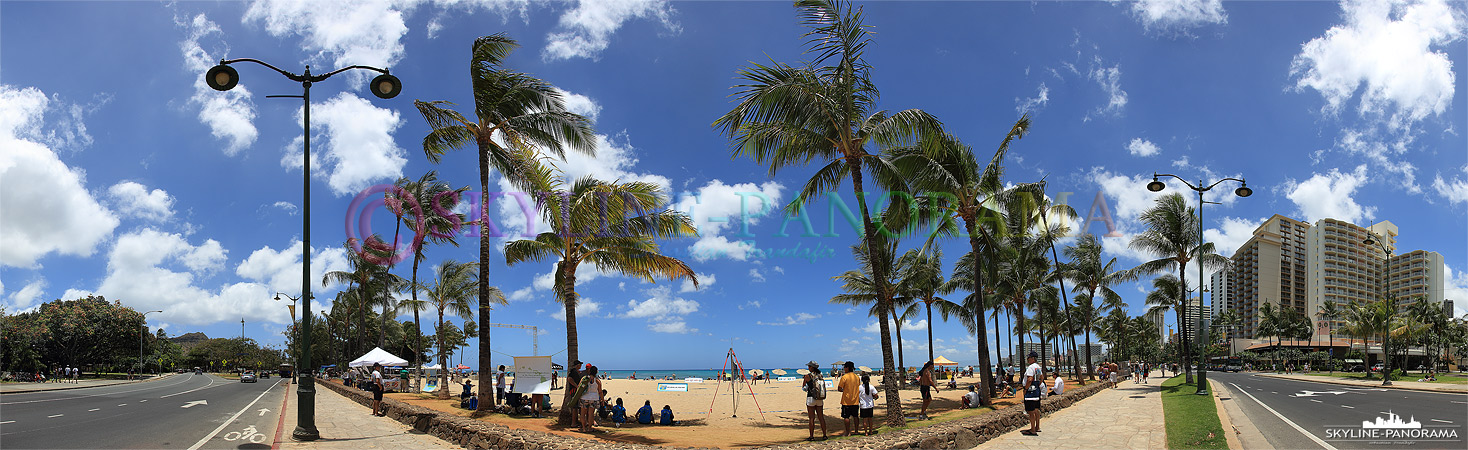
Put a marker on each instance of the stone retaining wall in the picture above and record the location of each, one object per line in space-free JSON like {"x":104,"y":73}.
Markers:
{"x":475,"y":434}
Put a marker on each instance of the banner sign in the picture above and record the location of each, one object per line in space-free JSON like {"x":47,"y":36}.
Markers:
{"x":532,"y":375}
{"x":693,"y":380}
{"x":672,"y":387}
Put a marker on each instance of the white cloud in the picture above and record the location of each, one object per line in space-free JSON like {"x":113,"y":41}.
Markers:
{"x":59,"y":214}
{"x":756,"y":276}
{"x":136,"y":200}
{"x":26,"y":297}
{"x":1387,"y":51}
{"x":750,"y":304}
{"x":584,"y":308}
{"x":873,"y":327}
{"x":1033,"y":104}
{"x":586,"y":30}
{"x":230,"y":115}
{"x":704,"y":281}
{"x":141,"y":274}
{"x":359,"y":146}
{"x":779,"y":270}
{"x":74,"y":294}
{"x":1142,"y":147}
{"x":1179,"y":15}
{"x":675,"y":327}
{"x":1233,"y":233}
{"x":1329,"y":195}
{"x":585,"y":272}
{"x":281,"y":270}
{"x":797,"y":319}
{"x":716,"y":207}
{"x":1455,"y":191}
{"x":521,"y":294}
{"x":1456,"y":289}
{"x":580,"y":104}
{"x":1110,"y":80}
{"x":661,"y":305}
{"x":344,"y":32}
{"x":288,"y":207}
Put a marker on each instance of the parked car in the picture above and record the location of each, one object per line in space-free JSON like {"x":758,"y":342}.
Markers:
{"x":198,"y":371}
{"x":1377,"y":368}
{"x":247,"y":377}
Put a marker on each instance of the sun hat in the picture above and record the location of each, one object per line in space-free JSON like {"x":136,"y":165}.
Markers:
{"x":812,"y":364}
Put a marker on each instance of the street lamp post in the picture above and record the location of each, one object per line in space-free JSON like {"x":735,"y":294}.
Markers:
{"x":141,"y":338}
{"x":295,"y":338}
{"x":222,"y":78}
{"x":1202,"y":338}
{"x":1386,"y":358}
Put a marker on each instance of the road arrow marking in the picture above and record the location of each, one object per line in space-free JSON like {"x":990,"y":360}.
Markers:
{"x":1314,"y":393}
{"x":264,"y":410}
{"x":193,"y":403}
{"x":8,"y":421}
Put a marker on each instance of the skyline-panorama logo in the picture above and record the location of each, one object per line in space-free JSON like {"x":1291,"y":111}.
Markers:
{"x":1391,"y":429}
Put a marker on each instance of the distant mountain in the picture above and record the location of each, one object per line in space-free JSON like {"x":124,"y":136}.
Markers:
{"x":189,"y":340}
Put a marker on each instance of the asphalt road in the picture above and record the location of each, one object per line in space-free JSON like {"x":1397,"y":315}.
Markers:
{"x":1330,"y":416}
{"x":179,"y":412}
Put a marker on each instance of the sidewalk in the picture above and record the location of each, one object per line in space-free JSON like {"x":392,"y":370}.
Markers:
{"x":344,"y":424}
{"x":1396,"y":384}
{"x":1127,"y":417}
{"x":19,"y":388}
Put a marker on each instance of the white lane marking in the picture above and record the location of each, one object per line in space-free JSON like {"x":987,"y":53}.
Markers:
{"x":211,"y":384}
{"x":194,"y":403}
{"x":237,"y":415}
{"x":54,"y":416}
{"x":1316,"y":401}
{"x":1344,"y":406}
{"x":1281,"y":417}
{"x":1272,"y":392}
{"x":124,"y":404}
{"x":1460,"y":402}
{"x":185,"y":380}
{"x":8,"y":421}
{"x":94,"y":409}
{"x":1442,"y":421}
{"x":140,"y":401}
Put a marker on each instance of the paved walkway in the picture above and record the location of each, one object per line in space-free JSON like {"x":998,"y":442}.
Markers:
{"x":16,"y":388}
{"x":344,"y":424}
{"x":1404,"y":383}
{"x":1127,"y":417}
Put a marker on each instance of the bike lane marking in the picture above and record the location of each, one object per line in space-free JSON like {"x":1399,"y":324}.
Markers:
{"x":236,"y":415}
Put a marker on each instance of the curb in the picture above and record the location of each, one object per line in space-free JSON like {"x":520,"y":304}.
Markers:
{"x":1346,"y":383}
{"x":121,"y":382}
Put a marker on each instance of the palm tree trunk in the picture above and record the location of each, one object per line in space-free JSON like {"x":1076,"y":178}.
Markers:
{"x":930,"y":329}
{"x":573,"y":357}
{"x":902,"y":381}
{"x":1182,"y":286}
{"x":1090,"y":369}
{"x":895,"y":417}
{"x":986,"y":376}
{"x":417,"y":324}
{"x":443,"y":362}
{"x":485,"y":374}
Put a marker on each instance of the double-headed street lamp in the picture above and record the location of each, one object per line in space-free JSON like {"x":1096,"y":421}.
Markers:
{"x":1242,"y":191}
{"x":223,"y":78}
{"x":141,"y":367}
{"x":1386,"y":360}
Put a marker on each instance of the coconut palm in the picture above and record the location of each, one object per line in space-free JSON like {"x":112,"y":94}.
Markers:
{"x":1172,"y":236}
{"x":516,"y":116}
{"x":426,"y":205}
{"x":1330,"y":311}
{"x":1163,"y":298}
{"x":455,"y":284}
{"x":1093,"y":278}
{"x":612,"y":226}
{"x":1375,"y":319}
{"x":825,"y":110}
{"x":1429,"y":321}
{"x":369,"y":279}
{"x":971,"y":310}
{"x":921,"y":278}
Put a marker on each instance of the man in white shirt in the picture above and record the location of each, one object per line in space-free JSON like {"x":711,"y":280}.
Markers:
{"x":1059,"y":386}
{"x":1034,"y":387}
{"x":376,"y":389}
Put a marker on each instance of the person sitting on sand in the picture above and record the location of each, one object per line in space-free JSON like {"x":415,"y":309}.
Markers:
{"x":971,"y":399}
{"x":666,"y":417}
{"x":644,"y":414}
{"x":619,"y":414}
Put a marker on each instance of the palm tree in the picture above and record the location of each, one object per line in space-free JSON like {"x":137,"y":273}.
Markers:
{"x":612,"y":226}
{"x":1375,"y":319}
{"x":825,"y":110}
{"x":1228,"y":319}
{"x":1430,"y":321}
{"x":1172,"y":235}
{"x":921,"y":275}
{"x":1330,"y":311}
{"x":455,"y":284}
{"x":427,"y":206}
{"x":516,"y":117}
{"x":1164,"y":298}
{"x":369,"y":279}
{"x":1093,"y":278}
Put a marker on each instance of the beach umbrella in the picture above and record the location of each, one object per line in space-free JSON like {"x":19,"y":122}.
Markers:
{"x":756,"y":372}
{"x":802,"y":371}
{"x":864,"y":369}
{"x":778,"y":371}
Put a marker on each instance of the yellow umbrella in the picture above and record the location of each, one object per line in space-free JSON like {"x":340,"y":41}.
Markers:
{"x":941,"y":361}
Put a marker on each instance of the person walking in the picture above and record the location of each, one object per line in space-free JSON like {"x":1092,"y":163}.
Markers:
{"x":377,"y":390}
{"x":589,"y":395}
{"x":927,"y":386}
{"x":815,"y":396}
{"x":849,"y":386}
{"x":1034,"y":389}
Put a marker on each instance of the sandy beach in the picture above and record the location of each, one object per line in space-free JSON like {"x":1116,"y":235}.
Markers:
{"x":708,"y":417}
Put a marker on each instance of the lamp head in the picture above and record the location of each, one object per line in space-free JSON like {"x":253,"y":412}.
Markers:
{"x":277,"y":296}
{"x":222,"y":77}
{"x":386,"y":86}
{"x":1156,"y":185}
{"x":1243,"y":191}
{"x":1369,"y":240}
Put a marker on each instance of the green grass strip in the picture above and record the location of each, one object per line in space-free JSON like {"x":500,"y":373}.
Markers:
{"x":1192,"y":420}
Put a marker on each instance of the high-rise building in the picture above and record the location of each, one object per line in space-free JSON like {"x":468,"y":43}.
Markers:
{"x":1221,"y":290}
{"x":1342,"y":268}
{"x":1269,"y":268}
{"x":1416,"y":276}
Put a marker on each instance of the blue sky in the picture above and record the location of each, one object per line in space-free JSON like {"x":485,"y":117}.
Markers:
{"x":123,"y":175}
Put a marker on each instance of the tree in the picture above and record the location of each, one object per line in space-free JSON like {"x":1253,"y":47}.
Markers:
{"x":427,"y":206}
{"x":1375,"y":319}
{"x":1092,"y":278}
{"x":921,"y":277}
{"x":1172,"y":235}
{"x":516,"y":117}
{"x":825,"y":110}
{"x":369,"y":280}
{"x":1431,"y":325}
{"x":1163,"y":298}
{"x":455,"y":284}
{"x":612,"y":226}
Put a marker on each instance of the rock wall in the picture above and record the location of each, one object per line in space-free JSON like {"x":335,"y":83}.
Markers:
{"x":474,"y":434}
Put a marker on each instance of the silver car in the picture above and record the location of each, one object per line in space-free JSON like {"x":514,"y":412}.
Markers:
{"x":248,"y":377}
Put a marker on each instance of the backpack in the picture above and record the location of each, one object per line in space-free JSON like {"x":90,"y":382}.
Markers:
{"x":817,"y":389}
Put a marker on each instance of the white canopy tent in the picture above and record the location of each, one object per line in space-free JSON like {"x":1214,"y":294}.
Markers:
{"x":379,"y":356}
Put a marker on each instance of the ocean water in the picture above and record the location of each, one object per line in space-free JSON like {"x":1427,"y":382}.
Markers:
{"x":679,"y":373}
